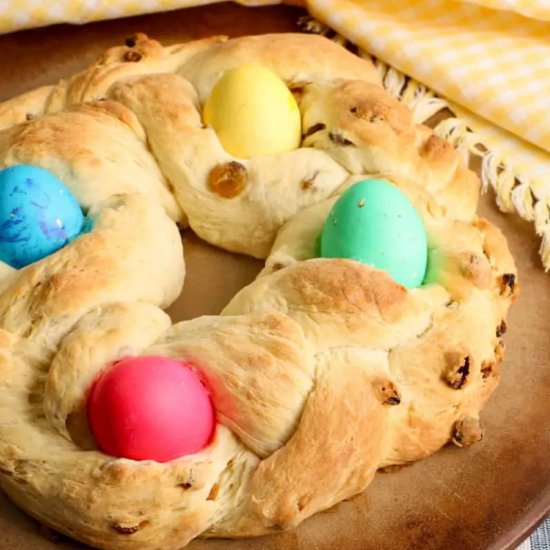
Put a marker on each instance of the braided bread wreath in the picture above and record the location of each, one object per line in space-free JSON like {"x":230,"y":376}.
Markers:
{"x":318,"y":362}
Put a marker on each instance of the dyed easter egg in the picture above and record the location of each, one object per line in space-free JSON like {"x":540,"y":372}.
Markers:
{"x":375,"y":223}
{"x":38,"y":215}
{"x":150,"y":408}
{"x":253,"y":112}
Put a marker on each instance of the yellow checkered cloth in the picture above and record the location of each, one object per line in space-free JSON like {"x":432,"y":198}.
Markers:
{"x":497,"y":62}
{"x":490,"y":59}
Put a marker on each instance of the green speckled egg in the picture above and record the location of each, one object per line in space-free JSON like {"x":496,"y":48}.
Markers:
{"x":375,"y":223}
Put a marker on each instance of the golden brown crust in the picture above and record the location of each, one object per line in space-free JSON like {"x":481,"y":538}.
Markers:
{"x":85,"y":147}
{"x":341,"y":400}
{"x":41,"y":303}
{"x":24,"y":107}
{"x":320,"y":371}
{"x":273,"y":192}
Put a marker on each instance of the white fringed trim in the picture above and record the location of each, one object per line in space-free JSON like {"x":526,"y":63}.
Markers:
{"x":421,"y":101}
{"x":515,"y":191}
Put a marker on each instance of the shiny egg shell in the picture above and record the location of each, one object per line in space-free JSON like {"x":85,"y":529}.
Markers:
{"x":375,"y":223}
{"x":38,"y":215}
{"x":150,"y":408}
{"x":253,"y":112}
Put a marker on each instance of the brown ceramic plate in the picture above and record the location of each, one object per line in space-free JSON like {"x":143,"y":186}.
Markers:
{"x":488,"y":496}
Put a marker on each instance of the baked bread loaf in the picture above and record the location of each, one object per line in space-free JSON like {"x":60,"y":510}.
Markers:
{"x":320,"y":372}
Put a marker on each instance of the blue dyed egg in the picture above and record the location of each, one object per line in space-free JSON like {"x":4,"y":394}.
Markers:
{"x":38,"y":215}
{"x":375,"y":223}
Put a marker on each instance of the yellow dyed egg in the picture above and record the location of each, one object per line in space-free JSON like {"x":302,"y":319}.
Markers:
{"x":253,"y":113}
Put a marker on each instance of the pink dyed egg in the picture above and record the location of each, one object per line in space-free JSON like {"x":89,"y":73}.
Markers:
{"x":150,"y":408}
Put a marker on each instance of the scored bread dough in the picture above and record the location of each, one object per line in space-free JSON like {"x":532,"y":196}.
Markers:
{"x":320,"y":372}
